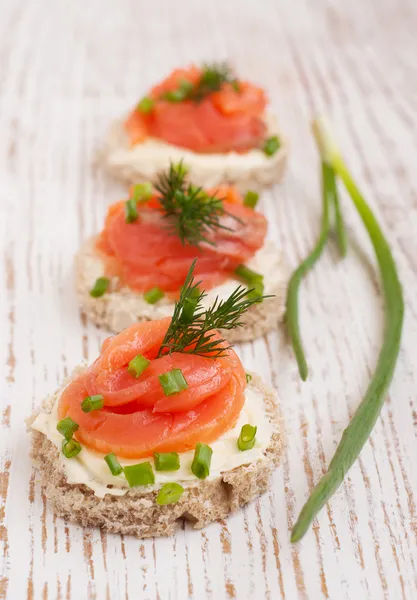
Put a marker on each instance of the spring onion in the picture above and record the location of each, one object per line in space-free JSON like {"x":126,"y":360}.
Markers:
{"x":247,"y":274}
{"x":70,"y":448}
{"x":271,"y":145}
{"x":140,"y":474}
{"x":173,"y":382}
{"x":166,"y":461}
{"x":131,"y":211}
{"x":246,"y":439}
{"x":145,"y":105}
{"x":91,"y":403}
{"x":169,"y":493}
{"x":360,"y":427}
{"x":141,"y":192}
{"x":181,"y":93}
{"x":67,"y":427}
{"x":251,"y":199}
{"x":153,"y":295}
{"x":339,"y":224}
{"x":248,"y":377}
{"x":137,"y":365}
{"x":201,"y":461}
{"x":113,"y":463}
{"x":291,"y":316}
{"x":100,"y":287}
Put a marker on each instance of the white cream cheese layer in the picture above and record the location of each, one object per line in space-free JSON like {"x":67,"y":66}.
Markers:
{"x":124,"y":305}
{"x":90,"y":469}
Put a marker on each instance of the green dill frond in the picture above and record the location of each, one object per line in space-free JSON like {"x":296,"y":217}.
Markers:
{"x":195,"y":335}
{"x":213,"y":76}
{"x":190,"y":212}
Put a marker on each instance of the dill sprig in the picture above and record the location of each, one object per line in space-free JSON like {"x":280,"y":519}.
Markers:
{"x":192,"y":333}
{"x":191,"y":213}
{"x":213,"y":76}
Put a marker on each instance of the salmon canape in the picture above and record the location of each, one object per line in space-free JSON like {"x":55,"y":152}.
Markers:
{"x":134,"y":269}
{"x":153,"y":430}
{"x":217,"y":122}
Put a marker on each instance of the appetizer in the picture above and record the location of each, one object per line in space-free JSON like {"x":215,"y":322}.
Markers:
{"x":134,"y":269}
{"x":165,"y":425}
{"x":206,"y":115}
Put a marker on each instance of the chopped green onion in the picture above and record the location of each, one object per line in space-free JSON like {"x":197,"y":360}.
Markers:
{"x":67,"y":427}
{"x":131,"y":212}
{"x":137,"y":365}
{"x":70,"y":448}
{"x":113,"y":464}
{"x":140,"y":474}
{"x":166,"y":461}
{"x":271,"y":145}
{"x":251,"y":199}
{"x":247,"y":274}
{"x":146,"y":105}
{"x":235,"y":85}
{"x":141,"y":192}
{"x":100,"y":287}
{"x":248,"y":377}
{"x":201,"y":461}
{"x":188,"y":310}
{"x":92,"y":403}
{"x":153,"y":295}
{"x":169,"y":493}
{"x":246,"y":439}
{"x":180,"y":94}
{"x":173,"y":382}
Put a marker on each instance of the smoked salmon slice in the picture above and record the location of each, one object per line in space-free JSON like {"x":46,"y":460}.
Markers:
{"x":137,"y":418}
{"x":144,"y":254}
{"x":221,"y":117}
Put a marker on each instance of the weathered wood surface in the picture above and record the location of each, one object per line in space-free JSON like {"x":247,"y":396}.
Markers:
{"x":66,"y":70}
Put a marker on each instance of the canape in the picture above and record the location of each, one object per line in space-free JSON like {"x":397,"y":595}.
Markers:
{"x":216,"y":122}
{"x":134,"y":269}
{"x":165,"y":425}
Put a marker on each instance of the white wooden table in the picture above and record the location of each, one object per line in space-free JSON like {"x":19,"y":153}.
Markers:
{"x":66,"y":70}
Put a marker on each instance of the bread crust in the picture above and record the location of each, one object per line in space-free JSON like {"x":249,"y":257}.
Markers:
{"x":119,"y":308}
{"x":206,"y":170}
{"x":137,"y":513}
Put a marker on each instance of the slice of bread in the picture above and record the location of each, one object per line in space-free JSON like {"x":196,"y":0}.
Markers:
{"x":119,"y":308}
{"x":137,"y":512}
{"x":250,"y":171}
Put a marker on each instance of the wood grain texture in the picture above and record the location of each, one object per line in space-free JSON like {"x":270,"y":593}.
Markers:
{"x":66,"y":70}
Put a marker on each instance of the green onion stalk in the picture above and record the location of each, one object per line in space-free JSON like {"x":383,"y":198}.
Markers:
{"x":360,"y":427}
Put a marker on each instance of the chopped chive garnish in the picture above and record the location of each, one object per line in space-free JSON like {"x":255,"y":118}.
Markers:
{"x":180,"y":94}
{"x":256,"y":291}
{"x":145,"y":105}
{"x":188,"y":310}
{"x":140,"y":474}
{"x":153,"y":295}
{"x":173,"y":382}
{"x":247,"y":274}
{"x":131,"y":212}
{"x":235,"y":85}
{"x":169,"y":493}
{"x":100,"y":287}
{"x":92,"y":403}
{"x":251,"y":199}
{"x":70,"y":448}
{"x":67,"y":427}
{"x":113,"y":464}
{"x":141,"y":192}
{"x":166,"y":461}
{"x":248,"y":377}
{"x":201,"y":461}
{"x":246,"y":439}
{"x":137,"y":365}
{"x":271,"y":145}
